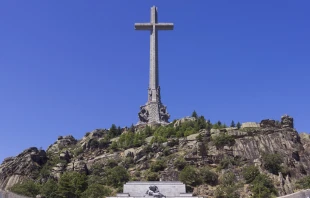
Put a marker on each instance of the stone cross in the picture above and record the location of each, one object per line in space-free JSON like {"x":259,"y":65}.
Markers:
{"x":153,"y":27}
{"x":153,"y":111}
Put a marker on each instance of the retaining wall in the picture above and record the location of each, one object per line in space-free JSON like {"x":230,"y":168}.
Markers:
{"x":300,"y":194}
{"x":5,"y":194}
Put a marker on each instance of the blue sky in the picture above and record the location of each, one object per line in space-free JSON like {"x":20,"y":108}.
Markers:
{"x":68,"y":67}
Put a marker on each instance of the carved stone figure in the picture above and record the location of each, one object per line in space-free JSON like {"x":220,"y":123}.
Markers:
{"x":150,"y":94}
{"x":158,"y":94}
{"x":143,"y":114}
{"x":164,"y":115}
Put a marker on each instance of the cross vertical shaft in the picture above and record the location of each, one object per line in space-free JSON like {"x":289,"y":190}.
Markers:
{"x":153,"y":84}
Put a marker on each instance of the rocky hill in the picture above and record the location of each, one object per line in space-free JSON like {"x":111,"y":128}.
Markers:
{"x":268,"y":157}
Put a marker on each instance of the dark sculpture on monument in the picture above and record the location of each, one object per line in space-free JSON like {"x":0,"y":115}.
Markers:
{"x":154,"y":191}
{"x":153,"y":111}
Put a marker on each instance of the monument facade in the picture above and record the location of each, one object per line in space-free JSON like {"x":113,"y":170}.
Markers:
{"x":153,"y":111}
{"x":155,"y":189}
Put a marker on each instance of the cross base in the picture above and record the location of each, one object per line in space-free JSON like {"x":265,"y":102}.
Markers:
{"x":153,"y":113}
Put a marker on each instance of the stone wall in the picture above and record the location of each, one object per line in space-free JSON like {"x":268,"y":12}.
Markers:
{"x":300,"y":194}
{"x":5,"y":194}
{"x":250,"y":125}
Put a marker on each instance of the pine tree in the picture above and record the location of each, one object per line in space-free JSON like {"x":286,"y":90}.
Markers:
{"x":238,"y":125}
{"x":232,"y":124}
{"x":132,"y":128}
{"x":219,"y":123}
{"x":113,"y":131}
{"x":209,"y":125}
{"x":194,"y":114}
{"x":119,"y":131}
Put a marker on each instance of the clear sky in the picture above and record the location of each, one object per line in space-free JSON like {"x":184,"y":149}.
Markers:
{"x":69,"y":67}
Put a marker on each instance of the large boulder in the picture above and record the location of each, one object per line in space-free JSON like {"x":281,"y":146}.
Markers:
{"x":182,"y":120}
{"x":268,"y":123}
{"x":78,"y":166}
{"x":62,"y":142}
{"x":287,"y":122}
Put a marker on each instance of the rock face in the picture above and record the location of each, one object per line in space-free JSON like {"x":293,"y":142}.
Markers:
{"x":199,"y":150}
{"x":25,"y":165}
{"x":62,"y":142}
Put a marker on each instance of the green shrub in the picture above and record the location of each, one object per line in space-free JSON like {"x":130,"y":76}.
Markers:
{"x":114,"y":146}
{"x":262,"y":186}
{"x":272,"y":162}
{"x":189,"y":131}
{"x":147,"y":148}
{"x":96,"y":191}
{"x":199,"y":138}
{"x":129,"y":161}
{"x":227,"y":162}
{"x":97,"y":169}
{"x":111,"y":163}
{"x":104,"y":143}
{"x":166,"y":151}
{"x":72,"y":184}
{"x":116,"y":176}
{"x":114,"y":131}
{"x":250,"y":173}
{"x":131,"y":139}
{"x":158,"y":165}
{"x":49,"y":189}
{"x":304,"y":183}
{"x":223,"y":139}
{"x":158,"y":139}
{"x":228,"y":179}
{"x":27,"y":188}
{"x":151,"y":176}
{"x":208,"y":176}
{"x":78,"y":151}
{"x":180,"y":163}
{"x":228,"y":187}
{"x":87,"y":134}
{"x":94,"y":144}
{"x":137,"y":173}
{"x":226,"y":192}
{"x":190,"y":176}
{"x":96,"y":179}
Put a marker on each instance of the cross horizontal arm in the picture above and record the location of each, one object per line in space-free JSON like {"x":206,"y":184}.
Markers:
{"x":158,"y":26}
{"x":143,"y":26}
{"x":164,"y":26}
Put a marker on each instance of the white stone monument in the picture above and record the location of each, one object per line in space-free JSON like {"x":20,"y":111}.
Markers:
{"x":155,"y":189}
{"x":153,"y":111}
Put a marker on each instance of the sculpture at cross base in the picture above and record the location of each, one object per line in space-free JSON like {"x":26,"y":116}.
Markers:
{"x":153,"y":111}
